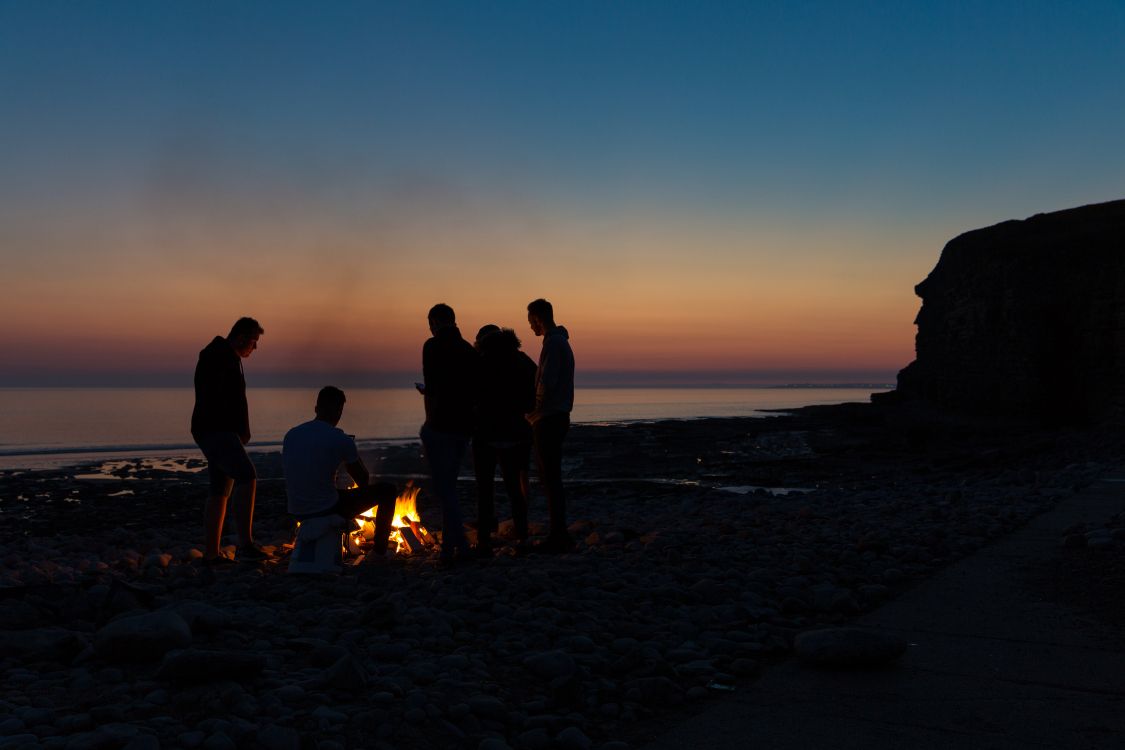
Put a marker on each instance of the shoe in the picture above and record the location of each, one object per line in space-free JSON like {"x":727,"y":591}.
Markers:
{"x":218,"y":561}
{"x":484,"y":550}
{"x":252,"y":553}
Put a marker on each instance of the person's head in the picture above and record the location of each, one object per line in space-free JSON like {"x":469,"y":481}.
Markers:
{"x":484,"y":332}
{"x":330,"y":404}
{"x":540,"y":316}
{"x":441,"y":316}
{"x":499,"y":343}
{"x":244,"y":335}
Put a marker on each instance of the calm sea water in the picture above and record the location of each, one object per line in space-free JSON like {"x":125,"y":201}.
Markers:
{"x":55,"y":426}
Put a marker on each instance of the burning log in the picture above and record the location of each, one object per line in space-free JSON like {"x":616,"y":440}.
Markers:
{"x":419,"y":531}
{"x":410,"y":539}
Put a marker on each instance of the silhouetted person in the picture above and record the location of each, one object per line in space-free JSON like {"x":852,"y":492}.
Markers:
{"x":503,"y":436}
{"x":312,"y":453}
{"x":220,"y":425}
{"x":550,"y":419}
{"x":449,"y":368}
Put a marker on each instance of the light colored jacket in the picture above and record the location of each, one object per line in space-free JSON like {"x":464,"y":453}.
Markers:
{"x":554,"y":379}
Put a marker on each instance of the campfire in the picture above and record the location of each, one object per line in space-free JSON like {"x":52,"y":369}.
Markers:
{"x":408,"y":535}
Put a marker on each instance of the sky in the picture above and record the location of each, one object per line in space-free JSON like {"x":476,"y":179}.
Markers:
{"x":708,"y":192}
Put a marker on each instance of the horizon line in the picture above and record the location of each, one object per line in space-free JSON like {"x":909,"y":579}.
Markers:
{"x":589,"y":379}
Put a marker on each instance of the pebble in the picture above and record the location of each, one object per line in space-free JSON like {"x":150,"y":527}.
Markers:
{"x":535,"y":652}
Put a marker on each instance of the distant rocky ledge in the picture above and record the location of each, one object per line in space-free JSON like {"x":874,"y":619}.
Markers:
{"x":1026,"y":319}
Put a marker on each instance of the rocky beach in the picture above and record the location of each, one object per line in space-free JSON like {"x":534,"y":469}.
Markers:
{"x":706,"y":547}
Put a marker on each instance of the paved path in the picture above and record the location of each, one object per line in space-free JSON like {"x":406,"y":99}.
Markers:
{"x":992,"y":664}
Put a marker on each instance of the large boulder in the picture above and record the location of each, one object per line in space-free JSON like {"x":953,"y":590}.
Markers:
{"x":1027,"y":319}
{"x":144,"y":637}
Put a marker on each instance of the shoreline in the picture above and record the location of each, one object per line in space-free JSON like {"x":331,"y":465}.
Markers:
{"x":674,"y":587}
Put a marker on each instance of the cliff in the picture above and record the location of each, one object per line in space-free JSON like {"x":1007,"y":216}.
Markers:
{"x":1026,"y":318}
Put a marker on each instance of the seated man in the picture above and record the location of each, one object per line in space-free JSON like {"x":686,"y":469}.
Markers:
{"x":311,"y":455}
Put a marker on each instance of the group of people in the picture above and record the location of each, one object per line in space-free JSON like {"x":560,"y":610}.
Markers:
{"x":488,"y":394}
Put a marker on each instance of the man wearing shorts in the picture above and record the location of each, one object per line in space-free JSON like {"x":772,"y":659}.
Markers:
{"x":312,"y":454}
{"x":220,"y":425}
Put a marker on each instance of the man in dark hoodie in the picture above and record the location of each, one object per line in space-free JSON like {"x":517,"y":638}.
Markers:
{"x":550,"y":419}
{"x":449,"y":368}
{"x":502,"y":436}
{"x":220,"y":425}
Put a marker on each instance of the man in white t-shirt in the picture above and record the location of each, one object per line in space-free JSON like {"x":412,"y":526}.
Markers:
{"x":312,"y":454}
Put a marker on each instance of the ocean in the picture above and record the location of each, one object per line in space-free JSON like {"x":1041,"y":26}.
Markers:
{"x":50,"y":427}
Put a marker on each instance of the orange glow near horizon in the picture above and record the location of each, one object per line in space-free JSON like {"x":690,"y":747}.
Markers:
{"x":685,"y":298}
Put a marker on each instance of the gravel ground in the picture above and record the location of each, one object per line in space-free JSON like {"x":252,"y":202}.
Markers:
{"x":705,"y":547}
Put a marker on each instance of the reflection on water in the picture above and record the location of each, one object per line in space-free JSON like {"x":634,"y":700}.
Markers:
{"x":52,"y":427}
{"x":747,"y":489}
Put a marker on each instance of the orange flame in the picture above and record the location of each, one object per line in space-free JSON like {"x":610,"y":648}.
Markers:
{"x":405,"y":505}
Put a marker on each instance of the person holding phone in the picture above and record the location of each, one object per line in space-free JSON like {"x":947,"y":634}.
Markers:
{"x":449,"y":372}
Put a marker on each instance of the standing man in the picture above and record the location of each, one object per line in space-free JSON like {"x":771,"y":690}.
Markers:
{"x":550,"y":420}
{"x":449,"y":368}
{"x":220,"y":425}
{"x":312,"y":453}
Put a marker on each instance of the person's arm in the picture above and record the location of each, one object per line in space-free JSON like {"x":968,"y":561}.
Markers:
{"x":546,"y":378}
{"x":358,"y":472}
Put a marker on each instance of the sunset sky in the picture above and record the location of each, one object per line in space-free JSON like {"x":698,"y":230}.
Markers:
{"x":708,"y":192}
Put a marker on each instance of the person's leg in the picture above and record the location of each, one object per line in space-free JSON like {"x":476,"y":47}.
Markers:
{"x":445,"y":452}
{"x":549,"y":433}
{"x":513,"y":467}
{"x":484,"y":468}
{"x":381,"y":496}
{"x":215,"y":513}
{"x":243,"y":499}
{"x":237,"y":465}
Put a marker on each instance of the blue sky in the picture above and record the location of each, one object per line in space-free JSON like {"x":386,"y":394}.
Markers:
{"x":536,"y":146}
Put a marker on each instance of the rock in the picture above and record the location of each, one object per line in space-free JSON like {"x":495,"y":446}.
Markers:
{"x":345,"y":674}
{"x":201,"y":618}
{"x":550,"y":664}
{"x":1099,"y":538}
{"x":192,"y":739}
{"x":488,"y":707}
{"x":157,"y":560}
{"x":142,"y":637}
{"x":847,"y":648}
{"x":572,"y":738}
{"x":1020,"y":319}
{"x":11,"y":726}
{"x":219,"y":741}
{"x":143,"y":742}
{"x":534,"y":739}
{"x":20,"y":742}
{"x":493,"y":743}
{"x":1074,"y":541}
{"x":19,"y":615}
{"x":43,"y":644}
{"x":328,"y":718}
{"x":273,"y":737}
{"x":194,"y":665}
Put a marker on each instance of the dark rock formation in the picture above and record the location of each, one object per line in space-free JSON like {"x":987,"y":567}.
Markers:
{"x":1026,"y":319}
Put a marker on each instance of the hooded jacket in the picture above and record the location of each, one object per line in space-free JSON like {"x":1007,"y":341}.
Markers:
{"x":554,"y":380}
{"x":220,"y":391}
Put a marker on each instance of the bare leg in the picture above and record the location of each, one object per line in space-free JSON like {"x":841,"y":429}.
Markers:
{"x":213,"y":516}
{"x":244,"y":494}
